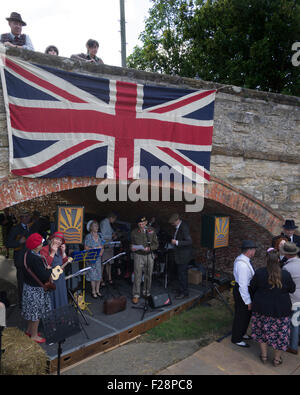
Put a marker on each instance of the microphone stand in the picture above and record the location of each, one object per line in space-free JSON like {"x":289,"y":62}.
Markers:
{"x":146,"y":306}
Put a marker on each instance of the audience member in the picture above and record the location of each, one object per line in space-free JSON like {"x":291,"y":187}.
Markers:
{"x":36,"y":302}
{"x":52,"y":50}
{"x":92,"y":47}
{"x":271,"y":307}
{"x":16,"y":239}
{"x":7,"y":221}
{"x":290,"y":250}
{"x":94,"y":240}
{"x":243,"y":273}
{"x":15,"y":38}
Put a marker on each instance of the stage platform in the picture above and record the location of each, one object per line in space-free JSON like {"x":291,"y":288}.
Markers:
{"x":103,"y":332}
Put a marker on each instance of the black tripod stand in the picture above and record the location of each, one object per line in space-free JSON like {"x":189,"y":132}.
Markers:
{"x":146,"y":306}
{"x":214,"y":286}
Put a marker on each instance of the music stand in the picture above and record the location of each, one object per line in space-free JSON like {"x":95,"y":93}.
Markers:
{"x":60,"y":324}
{"x":79,"y":273}
{"x":91,"y":257}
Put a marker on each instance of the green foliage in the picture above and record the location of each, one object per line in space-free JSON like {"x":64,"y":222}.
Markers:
{"x":241,"y":42}
{"x":199,"y":322}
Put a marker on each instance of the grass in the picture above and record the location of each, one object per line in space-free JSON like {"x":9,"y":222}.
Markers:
{"x":205,"y":321}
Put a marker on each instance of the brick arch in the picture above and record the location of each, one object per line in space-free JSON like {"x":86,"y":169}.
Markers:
{"x":18,"y":190}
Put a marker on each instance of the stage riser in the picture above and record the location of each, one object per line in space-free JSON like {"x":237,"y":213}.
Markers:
{"x":115,"y":340}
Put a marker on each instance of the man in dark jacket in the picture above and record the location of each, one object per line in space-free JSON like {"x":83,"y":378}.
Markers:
{"x":289,"y":229}
{"x":16,"y":239}
{"x":182,"y":243}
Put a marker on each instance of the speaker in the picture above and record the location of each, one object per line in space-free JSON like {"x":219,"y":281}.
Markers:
{"x":160,"y":300}
{"x":214,"y":231}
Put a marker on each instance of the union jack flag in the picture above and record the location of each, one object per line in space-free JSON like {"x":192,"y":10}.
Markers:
{"x":63,"y":123}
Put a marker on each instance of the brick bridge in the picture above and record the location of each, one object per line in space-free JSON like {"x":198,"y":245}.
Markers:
{"x":254,"y":164}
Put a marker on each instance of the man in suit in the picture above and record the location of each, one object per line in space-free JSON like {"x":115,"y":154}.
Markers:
{"x":289,"y":229}
{"x":16,"y":239}
{"x":182,"y":243}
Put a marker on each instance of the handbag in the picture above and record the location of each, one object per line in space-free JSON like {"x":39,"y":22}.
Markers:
{"x":48,"y":286}
{"x":114,"y":304}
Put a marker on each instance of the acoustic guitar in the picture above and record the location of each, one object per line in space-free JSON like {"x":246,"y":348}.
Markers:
{"x":58,"y":270}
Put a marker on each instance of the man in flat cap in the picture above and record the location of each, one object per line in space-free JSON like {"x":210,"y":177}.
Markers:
{"x":143,"y":242}
{"x":182,"y":242}
{"x":243,"y":273}
{"x":15,"y":38}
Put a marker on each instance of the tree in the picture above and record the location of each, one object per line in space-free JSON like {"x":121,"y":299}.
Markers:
{"x":241,"y":42}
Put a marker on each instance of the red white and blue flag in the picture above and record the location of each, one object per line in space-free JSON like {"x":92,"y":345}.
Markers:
{"x":63,"y":123}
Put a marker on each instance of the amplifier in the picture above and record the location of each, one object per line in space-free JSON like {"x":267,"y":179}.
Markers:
{"x":160,"y":300}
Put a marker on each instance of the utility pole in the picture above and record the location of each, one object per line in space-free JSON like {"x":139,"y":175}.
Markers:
{"x":123,"y":33}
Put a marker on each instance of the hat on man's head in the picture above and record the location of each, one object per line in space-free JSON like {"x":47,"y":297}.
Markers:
{"x":34,"y":241}
{"x":24,"y":213}
{"x":141,"y":219}
{"x":14,"y":16}
{"x":174,"y":217}
{"x":289,"y":249}
{"x":247,"y":244}
{"x":58,"y":235}
{"x":289,"y":224}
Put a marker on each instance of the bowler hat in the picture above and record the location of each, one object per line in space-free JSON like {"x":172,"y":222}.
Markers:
{"x":174,"y":217}
{"x":289,"y":224}
{"x":14,"y":16}
{"x":247,"y":244}
{"x":289,"y":249}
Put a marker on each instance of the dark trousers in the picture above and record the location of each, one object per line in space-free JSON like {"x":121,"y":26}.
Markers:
{"x":182,"y":276}
{"x":241,"y":317}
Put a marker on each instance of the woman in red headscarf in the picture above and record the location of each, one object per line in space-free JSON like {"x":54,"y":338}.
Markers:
{"x":36,"y":302}
{"x":55,"y":254}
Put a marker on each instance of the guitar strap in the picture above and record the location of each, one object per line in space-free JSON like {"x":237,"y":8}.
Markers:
{"x":33,"y":275}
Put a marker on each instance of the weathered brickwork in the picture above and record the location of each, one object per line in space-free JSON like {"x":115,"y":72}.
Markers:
{"x":254,"y":165}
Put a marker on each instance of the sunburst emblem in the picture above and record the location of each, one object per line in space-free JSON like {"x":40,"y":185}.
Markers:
{"x":70,"y":222}
{"x":222,"y":232}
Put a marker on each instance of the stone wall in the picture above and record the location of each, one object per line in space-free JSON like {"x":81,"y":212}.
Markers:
{"x":256,"y":135}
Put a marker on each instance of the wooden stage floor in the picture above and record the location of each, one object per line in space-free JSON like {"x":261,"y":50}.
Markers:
{"x":103,"y":332}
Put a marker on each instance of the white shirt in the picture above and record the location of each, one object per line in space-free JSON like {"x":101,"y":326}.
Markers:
{"x":243,"y":273}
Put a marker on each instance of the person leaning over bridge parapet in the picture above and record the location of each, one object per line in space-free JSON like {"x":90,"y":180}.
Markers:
{"x":15,"y":38}
{"x":52,"y":50}
{"x":92,"y":47}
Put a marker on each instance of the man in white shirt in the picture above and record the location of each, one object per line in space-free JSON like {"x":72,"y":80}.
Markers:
{"x":243,"y":273}
{"x":15,"y":38}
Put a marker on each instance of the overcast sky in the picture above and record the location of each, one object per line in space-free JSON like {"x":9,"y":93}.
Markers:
{"x":68,"y":24}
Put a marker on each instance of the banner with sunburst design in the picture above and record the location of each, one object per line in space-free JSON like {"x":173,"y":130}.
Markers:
{"x":70,"y":223}
{"x":221,"y":232}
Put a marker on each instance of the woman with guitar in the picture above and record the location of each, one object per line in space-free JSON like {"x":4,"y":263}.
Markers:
{"x":55,"y":254}
{"x":36,"y":301}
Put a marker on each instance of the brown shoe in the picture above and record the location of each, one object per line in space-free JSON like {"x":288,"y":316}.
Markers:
{"x":135,"y":300}
{"x":290,"y":350}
